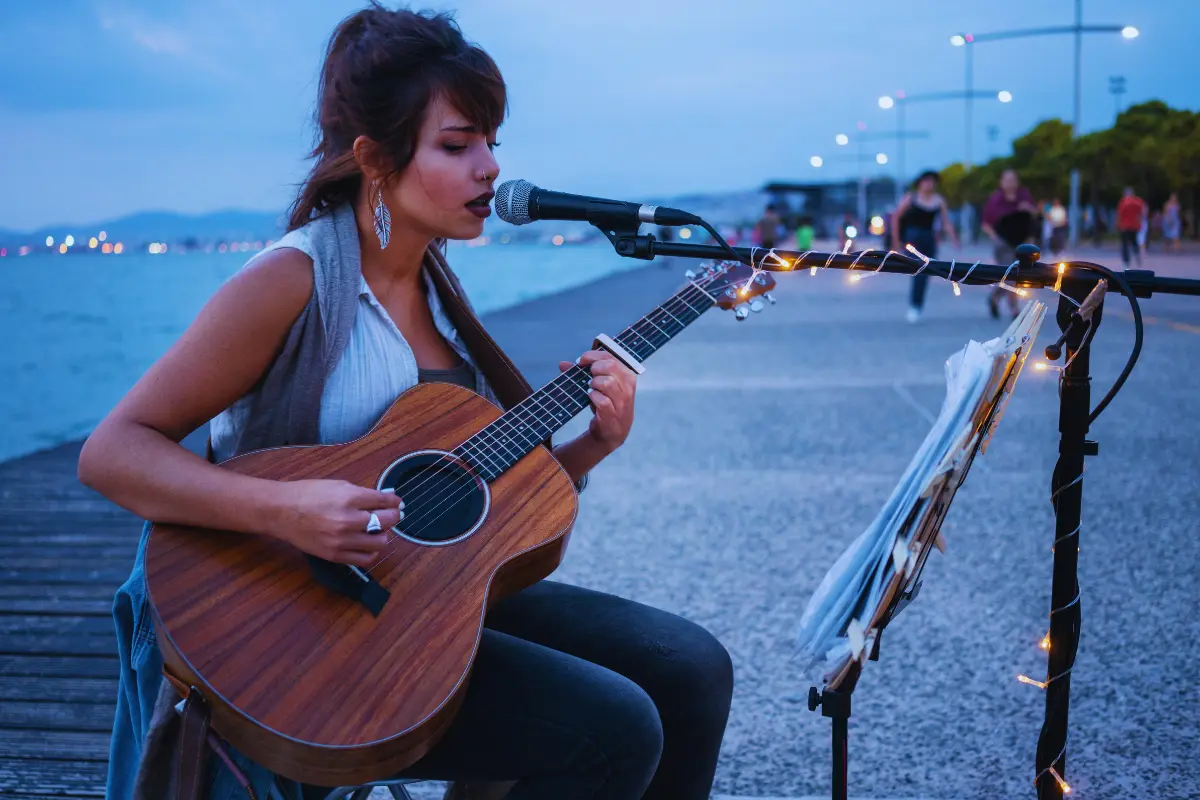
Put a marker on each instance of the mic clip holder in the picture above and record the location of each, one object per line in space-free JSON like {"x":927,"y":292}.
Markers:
{"x":625,"y":238}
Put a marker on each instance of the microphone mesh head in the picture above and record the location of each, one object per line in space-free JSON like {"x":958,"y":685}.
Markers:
{"x":512,"y":202}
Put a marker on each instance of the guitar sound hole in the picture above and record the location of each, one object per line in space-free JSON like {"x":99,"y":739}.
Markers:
{"x":443,"y":501}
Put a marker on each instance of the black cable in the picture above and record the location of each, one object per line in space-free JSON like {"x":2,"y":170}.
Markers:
{"x":1121,"y":284}
{"x":721,"y":241}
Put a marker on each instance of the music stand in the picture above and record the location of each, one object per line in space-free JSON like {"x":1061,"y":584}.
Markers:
{"x":896,"y":571}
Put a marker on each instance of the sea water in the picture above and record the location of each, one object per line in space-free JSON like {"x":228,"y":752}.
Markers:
{"x":78,"y":331}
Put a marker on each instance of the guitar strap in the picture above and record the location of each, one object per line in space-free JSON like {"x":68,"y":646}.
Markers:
{"x":505,"y":379}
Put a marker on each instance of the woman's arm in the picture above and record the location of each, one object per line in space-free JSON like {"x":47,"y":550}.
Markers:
{"x":948,"y":224}
{"x":897,"y":216}
{"x":134,"y":457}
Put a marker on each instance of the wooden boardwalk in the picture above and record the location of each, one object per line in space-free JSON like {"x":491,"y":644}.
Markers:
{"x":63,"y":552}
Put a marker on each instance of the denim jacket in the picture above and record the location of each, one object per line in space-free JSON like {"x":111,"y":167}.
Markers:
{"x":138,"y":689}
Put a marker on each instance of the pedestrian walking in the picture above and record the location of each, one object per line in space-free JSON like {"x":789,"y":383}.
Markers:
{"x":1007,"y":220}
{"x":915,"y":221}
{"x":1131,"y":216}
{"x":1172,"y":223}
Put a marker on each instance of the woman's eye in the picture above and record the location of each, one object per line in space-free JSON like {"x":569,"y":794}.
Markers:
{"x":454,"y":148}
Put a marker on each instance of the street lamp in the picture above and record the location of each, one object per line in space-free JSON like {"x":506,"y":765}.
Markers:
{"x":816,"y":161}
{"x":842,"y":139}
{"x":881,"y":158}
{"x":1078,"y":29}
{"x":901,"y":100}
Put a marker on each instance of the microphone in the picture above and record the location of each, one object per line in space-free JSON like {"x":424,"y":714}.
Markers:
{"x":520,"y":202}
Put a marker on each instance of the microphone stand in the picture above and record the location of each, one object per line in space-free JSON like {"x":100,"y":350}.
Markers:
{"x":1080,"y":280}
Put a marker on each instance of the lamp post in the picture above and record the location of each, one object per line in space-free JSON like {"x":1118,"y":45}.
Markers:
{"x":1116,"y":87}
{"x":1078,"y":29}
{"x":900,"y":101}
{"x":881,"y":159}
{"x":860,"y":158}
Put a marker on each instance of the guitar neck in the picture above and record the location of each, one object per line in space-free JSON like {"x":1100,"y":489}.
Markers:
{"x":532,"y":421}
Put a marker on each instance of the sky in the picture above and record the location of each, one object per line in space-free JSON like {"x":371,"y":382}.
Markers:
{"x":109,"y":107}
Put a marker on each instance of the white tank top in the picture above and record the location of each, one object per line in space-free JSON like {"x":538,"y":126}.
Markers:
{"x":376,"y":367}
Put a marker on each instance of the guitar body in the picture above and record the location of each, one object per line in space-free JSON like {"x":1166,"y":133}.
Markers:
{"x":306,"y":681}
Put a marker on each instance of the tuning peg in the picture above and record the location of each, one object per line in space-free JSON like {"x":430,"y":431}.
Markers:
{"x":770,"y":298}
{"x":741,"y":312}
{"x":756,"y":305}
{"x":689,"y":274}
{"x":760,"y":278}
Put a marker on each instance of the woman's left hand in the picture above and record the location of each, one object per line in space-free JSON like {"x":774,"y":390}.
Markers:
{"x":612,"y":389}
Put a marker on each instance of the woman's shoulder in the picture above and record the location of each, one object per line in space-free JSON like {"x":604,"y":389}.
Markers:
{"x":280,"y":276}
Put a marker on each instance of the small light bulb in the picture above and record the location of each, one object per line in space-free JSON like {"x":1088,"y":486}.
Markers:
{"x":1031,"y":681}
{"x":812,"y":270}
{"x":1045,"y":643}
{"x":1062,"y":785}
{"x":957,"y":289}
{"x":855,"y":278}
{"x":1058,"y":281}
{"x":1021,"y":292}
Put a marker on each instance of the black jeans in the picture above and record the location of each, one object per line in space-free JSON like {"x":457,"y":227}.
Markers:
{"x":1129,"y":245}
{"x":580,"y":694}
{"x":924,"y":240}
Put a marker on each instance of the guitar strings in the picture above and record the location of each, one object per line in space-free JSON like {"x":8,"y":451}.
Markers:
{"x":448,"y":500}
{"x":513,"y":419}
{"x":456,"y":495}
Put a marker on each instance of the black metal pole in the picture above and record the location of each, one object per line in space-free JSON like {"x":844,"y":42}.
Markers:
{"x":1067,"y":497}
{"x":841,"y":758}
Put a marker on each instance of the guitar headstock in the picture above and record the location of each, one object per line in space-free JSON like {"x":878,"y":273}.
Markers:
{"x":735,"y":286}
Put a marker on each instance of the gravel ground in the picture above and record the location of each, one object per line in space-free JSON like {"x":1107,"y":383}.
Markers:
{"x":762,"y":448}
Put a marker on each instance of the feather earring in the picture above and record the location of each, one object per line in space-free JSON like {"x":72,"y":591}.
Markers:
{"x":383,"y":217}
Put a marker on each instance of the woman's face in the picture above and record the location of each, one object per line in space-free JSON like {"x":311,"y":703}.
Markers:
{"x":446,"y":190}
{"x":927,"y":185}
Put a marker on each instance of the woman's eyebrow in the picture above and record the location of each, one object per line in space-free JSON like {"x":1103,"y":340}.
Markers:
{"x":462,"y":128}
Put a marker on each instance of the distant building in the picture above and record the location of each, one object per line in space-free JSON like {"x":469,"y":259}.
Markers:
{"x":829,"y":203}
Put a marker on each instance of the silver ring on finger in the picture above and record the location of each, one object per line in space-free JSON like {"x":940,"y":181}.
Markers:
{"x":373,"y":524}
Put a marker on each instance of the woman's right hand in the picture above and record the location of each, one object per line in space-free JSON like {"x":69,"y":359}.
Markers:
{"x":328,"y":519}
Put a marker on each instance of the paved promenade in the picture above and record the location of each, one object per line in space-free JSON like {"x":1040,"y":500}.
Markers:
{"x":761,"y":449}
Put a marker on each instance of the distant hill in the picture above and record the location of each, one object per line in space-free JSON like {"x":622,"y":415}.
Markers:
{"x":166,"y":226}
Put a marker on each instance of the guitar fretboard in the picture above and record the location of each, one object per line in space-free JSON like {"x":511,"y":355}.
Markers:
{"x":532,"y":421}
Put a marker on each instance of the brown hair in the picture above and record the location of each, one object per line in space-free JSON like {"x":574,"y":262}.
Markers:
{"x":381,"y":70}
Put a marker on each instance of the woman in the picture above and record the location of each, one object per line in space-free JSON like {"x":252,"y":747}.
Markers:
{"x":574,"y":693}
{"x":915,"y":218}
{"x":1007,"y":219}
{"x":1172,"y":222}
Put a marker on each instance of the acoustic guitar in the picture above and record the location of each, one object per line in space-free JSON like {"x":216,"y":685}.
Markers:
{"x":334,"y":675}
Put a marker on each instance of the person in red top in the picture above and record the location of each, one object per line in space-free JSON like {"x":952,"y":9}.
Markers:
{"x":1131,"y":212}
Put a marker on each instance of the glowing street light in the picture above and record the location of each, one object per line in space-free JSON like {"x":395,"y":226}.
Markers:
{"x":70,"y":240}
{"x":49,"y":241}
{"x":957,"y":40}
{"x":842,"y":139}
{"x":1004,"y":97}
{"x":886,"y":102}
{"x":881,"y":158}
{"x":816,"y":161}
{"x":1130,"y":32}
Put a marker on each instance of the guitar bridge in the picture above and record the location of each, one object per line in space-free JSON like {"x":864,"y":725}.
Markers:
{"x":350,"y":581}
